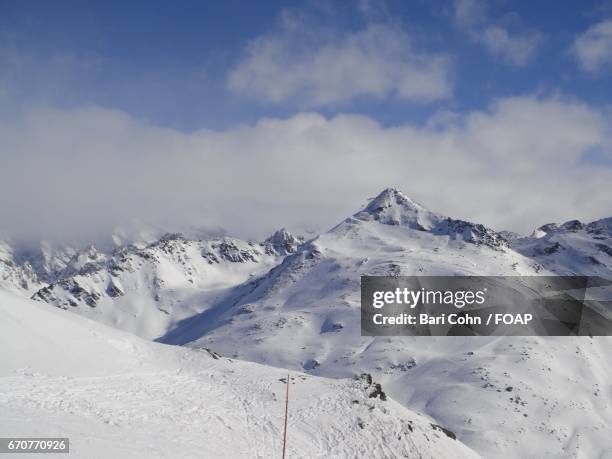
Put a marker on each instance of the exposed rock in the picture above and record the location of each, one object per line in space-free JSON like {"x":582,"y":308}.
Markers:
{"x":282,"y":243}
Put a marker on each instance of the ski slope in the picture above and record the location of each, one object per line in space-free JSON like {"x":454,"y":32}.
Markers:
{"x":116,"y":395}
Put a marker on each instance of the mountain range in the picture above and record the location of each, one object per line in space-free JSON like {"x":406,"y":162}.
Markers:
{"x":294,"y":303}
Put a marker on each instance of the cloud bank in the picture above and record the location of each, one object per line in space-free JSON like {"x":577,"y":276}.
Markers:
{"x":518,"y":164}
{"x":304,"y":63}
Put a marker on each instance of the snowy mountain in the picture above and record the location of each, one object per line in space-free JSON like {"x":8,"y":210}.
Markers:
{"x":392,"y":235}
{"x":295,"y":304}
{"x":282,"y":243}
{"x":392,"y":207}
{"x":20,"y":278}
{"x":27,"y":268}
{"x":571,"y":248}
{"x":505,"y":397}
{"x":116,"y":395}
{"x":145,"y":290}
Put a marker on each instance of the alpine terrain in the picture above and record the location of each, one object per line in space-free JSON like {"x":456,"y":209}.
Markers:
{"x":292,"y":303}
{"x":116,"y":395}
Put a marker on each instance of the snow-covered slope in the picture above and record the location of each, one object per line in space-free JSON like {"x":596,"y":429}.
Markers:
{"x":296,"y":305}
{"x":145,"y":290}
{"x":505,"y":397}
{"x":316,"y":290}
{"x":115,"y":395}
{"x":573,"y":248}
{"x":15,"y":276}
{"x":25,"y":268}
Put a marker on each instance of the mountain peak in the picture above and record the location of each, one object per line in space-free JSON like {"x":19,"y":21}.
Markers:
{"x":392,"y":207}
{"x":392,"y":196}
{"x":282,"y":242}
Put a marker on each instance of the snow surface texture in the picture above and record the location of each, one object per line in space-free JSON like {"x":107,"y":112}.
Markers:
{"x":504,"y":397}
{"x":116,"y":395}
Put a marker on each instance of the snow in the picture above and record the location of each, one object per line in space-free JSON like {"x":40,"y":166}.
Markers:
{"x":15,"y":277}
{"x":116,"y":395}
{"x":564,"y":386}
{"x":572,"y":248}
{"x":147,"y":290}
{"x":514,"y":397}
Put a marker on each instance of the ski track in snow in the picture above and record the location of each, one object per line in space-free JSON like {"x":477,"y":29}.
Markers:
{"x":116,"y":395}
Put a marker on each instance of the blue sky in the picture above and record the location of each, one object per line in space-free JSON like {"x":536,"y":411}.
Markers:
{"x":257,"y":115}
{"x":168,"y":62}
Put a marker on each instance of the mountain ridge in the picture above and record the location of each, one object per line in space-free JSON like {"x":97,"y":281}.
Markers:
{"x":300,"y":311}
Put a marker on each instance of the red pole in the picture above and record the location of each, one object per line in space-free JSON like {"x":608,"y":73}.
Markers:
{"x":286,"y":414}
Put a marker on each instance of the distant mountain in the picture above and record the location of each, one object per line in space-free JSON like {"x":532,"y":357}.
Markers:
{"x":392,"y":235}
{"x":145,"y":290}
{"x":27,"y":268}
{"x":282,"y":243}
{"x":573,"y":248}
{"x":295,"y":304}
{"x":505,"y":396}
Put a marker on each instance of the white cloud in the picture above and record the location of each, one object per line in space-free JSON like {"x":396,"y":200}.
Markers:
{"x":511,"y":47}
{"x":306,"y":64}
{"x":516,"y":49}
{"x":515,"y":165}
{"x":593,"y":49}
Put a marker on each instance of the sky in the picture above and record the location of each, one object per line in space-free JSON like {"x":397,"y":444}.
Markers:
{"x":255,"y":115}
